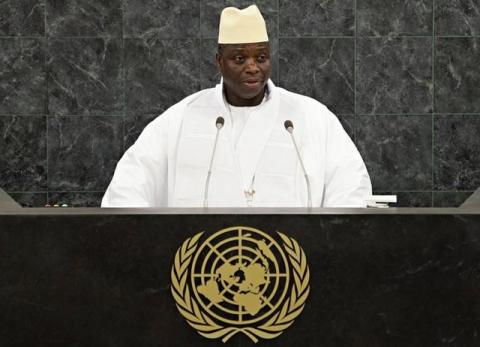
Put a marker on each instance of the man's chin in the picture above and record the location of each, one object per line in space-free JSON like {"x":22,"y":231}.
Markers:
{"x":250,"y":92}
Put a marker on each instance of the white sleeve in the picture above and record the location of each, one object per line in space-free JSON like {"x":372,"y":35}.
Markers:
{"x":347,"y":183}
{"x":141,"y":175}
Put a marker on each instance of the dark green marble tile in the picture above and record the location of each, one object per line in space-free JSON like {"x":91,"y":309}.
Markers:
{"x":457,"y":152}
{"x":160,"y":73}
{"x":22,"y":76}
{"x":28,"y":199}
{"x":85,"y":77}
{"x":83,"y":152}
{"x":84,"y":18}
{"x":397,"y":151}
{"x":449,"y":199}
{"x":457,"y":75}
{"x":165,"y":19}
{"x":394,"y":17}
{"x":457,"y":17}
{"x":23,"y":154}
{"x":321,"y":68}
{"x":316,"y":18}
{"x":394,"y":75}
{"x":22,"y":18}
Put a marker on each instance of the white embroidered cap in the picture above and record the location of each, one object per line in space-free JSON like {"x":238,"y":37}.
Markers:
{"x":242,"y":26}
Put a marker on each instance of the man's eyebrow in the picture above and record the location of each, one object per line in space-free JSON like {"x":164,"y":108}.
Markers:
{"x":243,"y":48}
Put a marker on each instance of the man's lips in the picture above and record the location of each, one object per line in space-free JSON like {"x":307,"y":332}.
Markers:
{"x":252,"y":83}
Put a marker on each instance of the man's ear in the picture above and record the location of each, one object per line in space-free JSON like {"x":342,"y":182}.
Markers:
{"x":218,"y":61}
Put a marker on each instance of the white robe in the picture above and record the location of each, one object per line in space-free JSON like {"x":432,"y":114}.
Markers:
{"x":168,"y":164}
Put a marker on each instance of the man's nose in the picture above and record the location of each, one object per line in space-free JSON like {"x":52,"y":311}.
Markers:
{"x":252,"y":66}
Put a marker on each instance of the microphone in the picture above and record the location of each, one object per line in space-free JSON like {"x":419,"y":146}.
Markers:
{"x":289,"y":127}
{"x":219,"y":122}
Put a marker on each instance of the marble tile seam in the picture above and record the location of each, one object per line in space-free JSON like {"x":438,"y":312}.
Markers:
{"x":18,"y":114}
{"x":377,"y":192}
{"x":375,"y":37}
{"x":316,"y":37}
{"x":159,"y":38}
{"x":50,"y":37}
{"x":432,"y":176}
{"x":122,"y":37}
{"x":456,"y":114}
{"x":85,"y":115}
{"x":200,"y":19}
{"x":102,"y":191}
{"x":278,"y":33}
{"x":140,"y":37}
{"x":456,"y":36}
{"x":355,"y":72}
{"x":393,"y":114}
{"x":451,"y":191}
{"x":415,"y":114}
{"x":45,"y":26}
{"x":26,"y":191}
{"x":124,"y":85}
{"x":62,"y":37}
{"x":356,"y":36}
{"x":22,"y":37}
{"x":72,"y":191}
{"x":46,"y":109}
{"x":337,"y":114}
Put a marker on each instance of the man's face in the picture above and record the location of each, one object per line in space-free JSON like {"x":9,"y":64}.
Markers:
{"x":245,"y":69}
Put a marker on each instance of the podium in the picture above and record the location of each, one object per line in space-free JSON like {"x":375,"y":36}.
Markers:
{"x":102,"y":277}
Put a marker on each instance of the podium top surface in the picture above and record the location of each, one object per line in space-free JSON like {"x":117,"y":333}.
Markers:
{"x":238,"y":211}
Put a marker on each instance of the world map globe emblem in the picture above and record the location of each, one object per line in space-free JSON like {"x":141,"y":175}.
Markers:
{"x":239,"y":275}
{"x":240,"y":279}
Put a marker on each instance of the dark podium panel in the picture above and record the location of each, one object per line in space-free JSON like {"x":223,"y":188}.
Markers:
{"x":92,"y":277}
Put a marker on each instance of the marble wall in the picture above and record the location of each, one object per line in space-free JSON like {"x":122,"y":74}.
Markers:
{"x":80,"y":79}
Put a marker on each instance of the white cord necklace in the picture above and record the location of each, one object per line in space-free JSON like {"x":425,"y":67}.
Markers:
{"x":250,"y":192}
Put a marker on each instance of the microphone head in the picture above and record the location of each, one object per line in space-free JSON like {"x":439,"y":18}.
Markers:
{"x":288,"y":126}
{"x":219,"y":122}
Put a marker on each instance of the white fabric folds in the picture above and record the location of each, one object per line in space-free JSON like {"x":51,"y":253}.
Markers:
{"x":168,"y":164}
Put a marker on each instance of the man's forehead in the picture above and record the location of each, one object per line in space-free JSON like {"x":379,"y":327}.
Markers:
{"x":243,"y":46}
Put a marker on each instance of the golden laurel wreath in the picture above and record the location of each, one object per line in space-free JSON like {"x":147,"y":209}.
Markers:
{"x":276,"y":324}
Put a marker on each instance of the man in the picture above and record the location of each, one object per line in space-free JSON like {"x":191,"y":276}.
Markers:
{"x":255,"y":161}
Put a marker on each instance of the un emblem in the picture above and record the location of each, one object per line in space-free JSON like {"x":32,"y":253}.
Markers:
{"x":240,"y":280}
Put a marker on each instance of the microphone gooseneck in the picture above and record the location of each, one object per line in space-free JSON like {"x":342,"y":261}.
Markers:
{"x":219,"y":123}
{"x":289,"y":127}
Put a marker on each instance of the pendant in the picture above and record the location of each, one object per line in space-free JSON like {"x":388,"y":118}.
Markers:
{"x":249,"y":196}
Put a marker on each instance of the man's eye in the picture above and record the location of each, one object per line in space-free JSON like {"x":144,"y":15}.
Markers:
{"x":261,"y":58}
{"x":239,"y":59}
